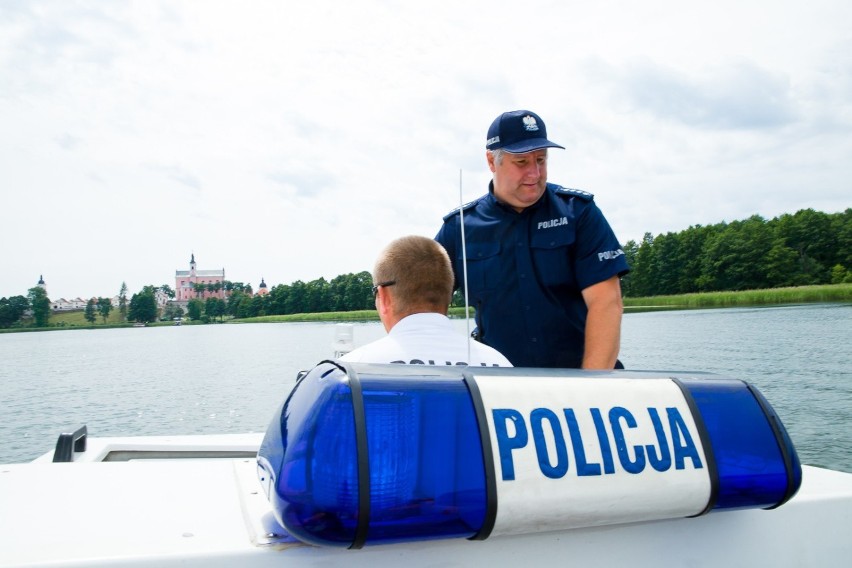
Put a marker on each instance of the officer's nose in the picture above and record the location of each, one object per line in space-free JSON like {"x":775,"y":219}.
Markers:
{"x":533,"y":171}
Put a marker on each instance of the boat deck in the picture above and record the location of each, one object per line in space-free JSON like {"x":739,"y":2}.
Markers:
{"x":212,"y":512}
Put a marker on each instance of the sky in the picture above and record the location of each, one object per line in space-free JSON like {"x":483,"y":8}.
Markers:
{"x":293,"y":140}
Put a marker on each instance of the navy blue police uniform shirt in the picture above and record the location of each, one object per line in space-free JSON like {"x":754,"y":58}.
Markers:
{"x":526,"y":271}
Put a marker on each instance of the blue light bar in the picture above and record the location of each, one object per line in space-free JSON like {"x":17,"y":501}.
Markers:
{"x":363,"y":454}
{"x":756,"y":463}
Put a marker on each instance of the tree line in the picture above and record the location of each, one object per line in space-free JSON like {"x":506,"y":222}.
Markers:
{"x":347,"y":292}
{"x":808,"y":247}
{"x":344,"y":293}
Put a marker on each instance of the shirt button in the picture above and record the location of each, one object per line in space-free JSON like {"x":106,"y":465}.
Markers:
{"x":533,"y":339}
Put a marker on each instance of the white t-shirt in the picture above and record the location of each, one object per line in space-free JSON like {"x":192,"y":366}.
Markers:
{"x":426,"y":339}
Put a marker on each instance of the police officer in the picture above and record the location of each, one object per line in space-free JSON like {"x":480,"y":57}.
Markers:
{"x":413,"y":287}
{"x":543,"y":264}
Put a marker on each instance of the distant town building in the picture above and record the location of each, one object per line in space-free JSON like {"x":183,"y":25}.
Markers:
{"x":187,"y":283}
{"x":63,"y":305}
{"x":262,"y":290}
{"x":161,"y":298}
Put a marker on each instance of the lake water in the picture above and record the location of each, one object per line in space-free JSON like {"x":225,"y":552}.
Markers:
{"x":231,"y":378}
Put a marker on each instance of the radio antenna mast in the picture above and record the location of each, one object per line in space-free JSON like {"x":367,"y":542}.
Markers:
{"x":464,"y":266}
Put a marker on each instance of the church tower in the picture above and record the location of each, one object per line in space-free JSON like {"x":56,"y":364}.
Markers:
{"x":192,"y":266}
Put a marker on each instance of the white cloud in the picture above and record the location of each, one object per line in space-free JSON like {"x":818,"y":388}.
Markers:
{"x":293,"y":141}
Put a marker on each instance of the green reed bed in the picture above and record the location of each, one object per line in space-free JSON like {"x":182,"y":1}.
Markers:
{"x":769,"y":296}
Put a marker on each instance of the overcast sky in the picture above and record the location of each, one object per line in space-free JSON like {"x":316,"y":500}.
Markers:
{"x":292,"y":140}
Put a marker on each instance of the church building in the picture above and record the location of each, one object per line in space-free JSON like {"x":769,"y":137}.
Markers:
{"x":187,"y":283}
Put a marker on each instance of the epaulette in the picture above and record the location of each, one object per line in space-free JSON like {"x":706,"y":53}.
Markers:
{"x":567,"y":191}
{"x":464,"y":207}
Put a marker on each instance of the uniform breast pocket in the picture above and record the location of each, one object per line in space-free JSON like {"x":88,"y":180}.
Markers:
{"x":553,"y":256}
{"x":483,"y":266}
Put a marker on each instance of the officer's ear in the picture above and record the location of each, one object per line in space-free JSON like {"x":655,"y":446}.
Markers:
{"x":490,"y":158}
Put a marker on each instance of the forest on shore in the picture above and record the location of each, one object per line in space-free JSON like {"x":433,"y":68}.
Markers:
{"x":805,"y":248}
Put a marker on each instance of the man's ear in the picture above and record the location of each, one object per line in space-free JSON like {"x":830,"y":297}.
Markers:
{"x":384,"y":305}
{"x":490,"y":158}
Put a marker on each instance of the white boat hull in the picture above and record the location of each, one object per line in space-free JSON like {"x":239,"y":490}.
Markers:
{"x":212,"y":512}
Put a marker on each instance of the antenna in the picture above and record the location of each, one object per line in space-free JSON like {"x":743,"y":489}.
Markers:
{"x":464,"y":266}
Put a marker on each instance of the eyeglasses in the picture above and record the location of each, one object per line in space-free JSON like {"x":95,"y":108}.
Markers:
{"x":376,"y":287}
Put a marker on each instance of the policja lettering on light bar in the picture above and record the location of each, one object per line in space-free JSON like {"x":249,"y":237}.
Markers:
{"x":542,"y":420}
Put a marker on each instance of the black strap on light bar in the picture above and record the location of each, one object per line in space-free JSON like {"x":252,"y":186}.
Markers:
{"x":487,"y":458}
{"x":712,"y":469}
{"x":785,"y":445}
{"x":360,"y":416}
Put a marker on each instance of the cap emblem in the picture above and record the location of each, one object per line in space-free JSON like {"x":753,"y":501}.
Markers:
{"x":530,"y":124}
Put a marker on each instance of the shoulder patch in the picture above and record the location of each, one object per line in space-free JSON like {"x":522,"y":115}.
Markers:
{"x":464,"y":207}
{"x":569,"y":192}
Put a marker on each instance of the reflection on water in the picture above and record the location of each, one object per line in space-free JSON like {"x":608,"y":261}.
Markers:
{"x":231,"y":378}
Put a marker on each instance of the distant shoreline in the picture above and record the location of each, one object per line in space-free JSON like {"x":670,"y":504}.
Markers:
{"x":829,"y":293}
